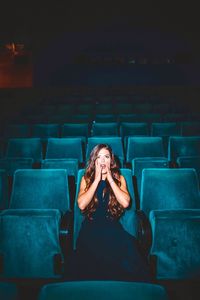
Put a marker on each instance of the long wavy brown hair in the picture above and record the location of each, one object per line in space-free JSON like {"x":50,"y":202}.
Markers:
{"x":115,"y":209}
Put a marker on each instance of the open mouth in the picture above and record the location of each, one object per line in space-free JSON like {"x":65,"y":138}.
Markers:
{"x":103,"y":166}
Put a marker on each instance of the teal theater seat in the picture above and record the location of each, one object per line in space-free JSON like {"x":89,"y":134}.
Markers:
{"x":15,"y":163}
{"x":104,"y":129}
{"x":105,"y":118}
{"x":8,"y":291}
{"x":40,"y":189}
{"x":65,"y":148}
{"x":191,"y":128}
{"x":3,"y":190}
{"x":29,"y":244}
{"x":17,"y":131}
{"x":129,"y":218}
{"x":25,"y":148}
{"x":75,"y":130}
{"x":183,"y":146}
{"x":190,"y":162}
{"x":133,"y":129}
{"x":169,"y":189}
{"x":45,"y":131}
{"x":138,"y":164}
{"x":103,"y":290}
{"x":144,"y":147}
{"x":176,"y":244}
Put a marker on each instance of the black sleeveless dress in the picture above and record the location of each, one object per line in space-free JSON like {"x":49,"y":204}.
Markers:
{"x":105,"y":251}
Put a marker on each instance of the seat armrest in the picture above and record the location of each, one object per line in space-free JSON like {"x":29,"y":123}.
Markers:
{"x":144,"y":232}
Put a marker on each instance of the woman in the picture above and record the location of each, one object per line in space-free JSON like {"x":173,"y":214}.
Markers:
{"x":104,"y":249}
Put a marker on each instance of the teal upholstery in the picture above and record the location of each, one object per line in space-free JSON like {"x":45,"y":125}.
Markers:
{"x":183,"y":146}
{"x":114,"y":142}
{"x":190,"y":162}
{"x":45,"y":131}
{"x":13,"y":164}
{"x":144,"y":147}
{"x":176,"y":243}
{"x":3,"y":189}
{"x":29,"y":243}
{"x":190,"y":128}
{"x":169,"y":189}
{"x":174,"y":117}
{"x":140,"y":163}
{"x":124,"y":108}
{"x":8,"y":291}
{"x":75,"y":129}
{"x":102,"y":290}
{"x":133,"y":129}
{"x":149,"y":118}
{"x":129,"y":117}
{"x":17,"y":131}
{"x":128,"y":220}
{"x":65,"y":148}
{"x":25,"y":148}
{"x":104,"y":108}
{"x":104,"y":129}
{"x":101,"y":118}
{"x":40,"y":189}
{"x":165,"y":129}
{"x":70,"y":164}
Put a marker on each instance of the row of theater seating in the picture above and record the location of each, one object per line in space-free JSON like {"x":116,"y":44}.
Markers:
{"x":79,"y":148}
{"x":40,"y":224}
{"x":102,"y":129}
{"x":89,"y":290}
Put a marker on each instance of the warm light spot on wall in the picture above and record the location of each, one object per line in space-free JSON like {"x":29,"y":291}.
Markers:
{"x":15,"y":66}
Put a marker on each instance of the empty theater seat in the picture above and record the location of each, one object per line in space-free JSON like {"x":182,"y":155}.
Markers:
{"x":190,"y":128}
{"x":8,"y":291}
{"x":169,"y":189}
{"x":176,"y":243}
{"x":17,"y":131}
{"x":40,"y":189}
{"x":25,"y":148}
{"x":104,"y":129}
{"x":183,"y":146}
{"x":144,"y":147}
{"x":15,"y":163}
{"x":102,"y":290}
{"x":190,"y":162}
{"x":30,"y":245}
{"x":45,"y":131}
{"x":65,"y":148}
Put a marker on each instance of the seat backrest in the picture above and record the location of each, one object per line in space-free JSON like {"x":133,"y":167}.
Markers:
{"x":40,"y":189}
{"x":169,"y":189}
{"x":17,"y":131}
{"x":190,"y":128}
{"x":114,"y":142}
{"x":108,"y":290}
{"x":8,"y":291}
{"x":144,"y":147}
{"x":183,"y":146}
{"x":70,"y":164}
{"x":190,"y":162}
{"x":165,"y":129}
{"x":45,"y":130}
{"x":65,"y":148}
{"x":29,"y":243}
{"x":74,"y":129}
{"x":138,"y":164}
{"x":15,"y":163}
{"x":128,"y":219}
{"x":104,"y":129}
{"x":3,"y":189}
{"x":133,"y":129}
{"x":25,"y":148}
{"x":176,"y":243}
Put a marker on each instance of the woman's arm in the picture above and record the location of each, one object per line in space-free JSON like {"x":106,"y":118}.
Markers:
{"x":84,"y":197}
{"x":121,"y":193}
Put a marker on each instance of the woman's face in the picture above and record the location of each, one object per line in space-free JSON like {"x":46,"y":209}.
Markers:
{"x":104,"y":158}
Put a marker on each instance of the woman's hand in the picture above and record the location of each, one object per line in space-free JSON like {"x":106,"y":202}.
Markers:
{"x":108,"y":174}
{"x":98,"y":171}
